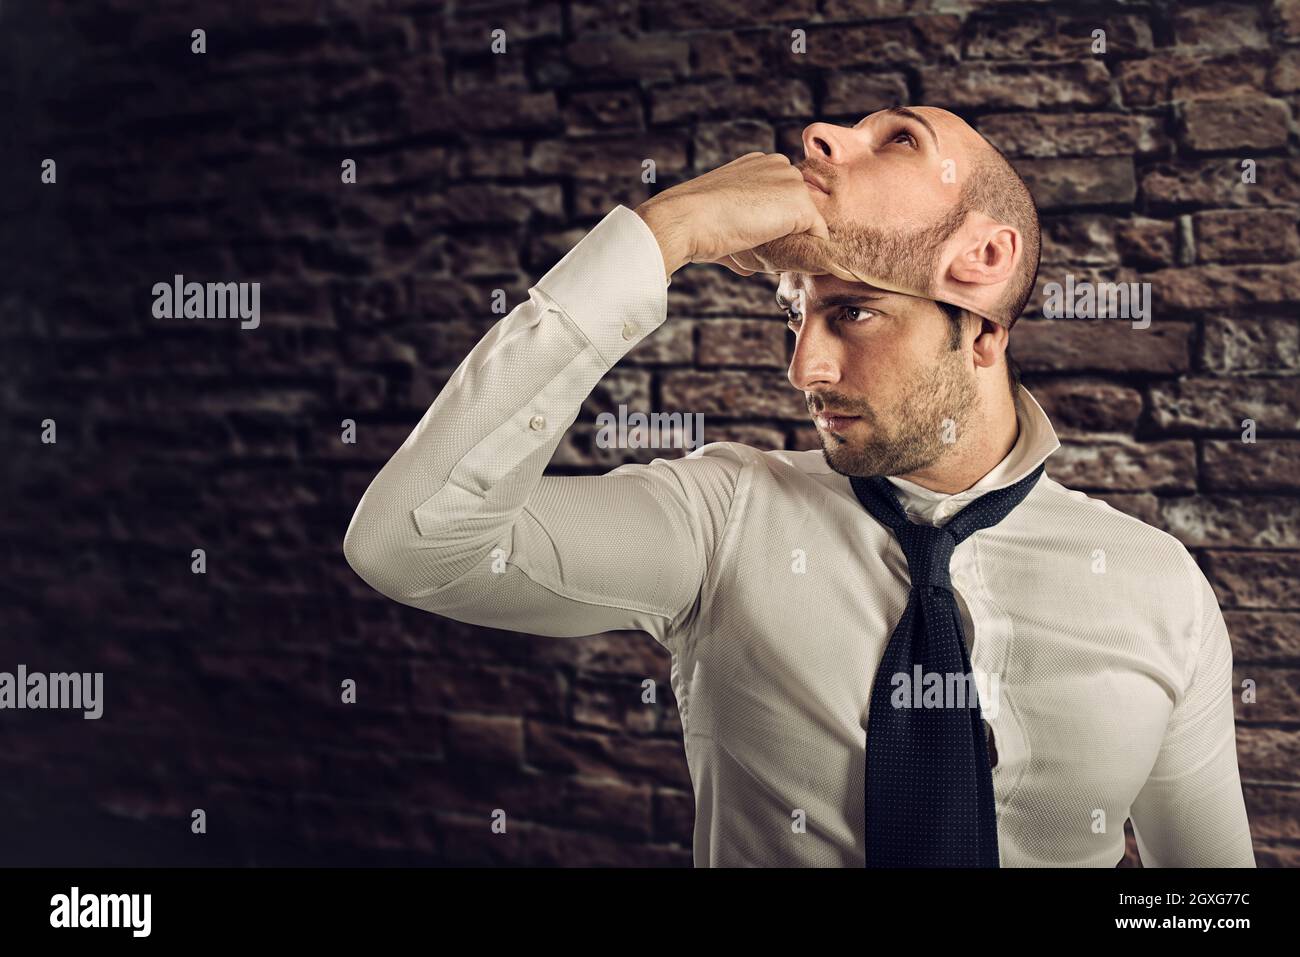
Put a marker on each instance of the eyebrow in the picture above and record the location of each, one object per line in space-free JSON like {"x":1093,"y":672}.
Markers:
{"x":834,"y":299}
{"x":909,"y":114}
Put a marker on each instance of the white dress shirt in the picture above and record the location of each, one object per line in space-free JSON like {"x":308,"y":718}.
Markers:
{"x":776,"y":592}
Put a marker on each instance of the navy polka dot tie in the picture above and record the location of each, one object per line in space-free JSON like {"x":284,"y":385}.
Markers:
{"x":929,"y":788}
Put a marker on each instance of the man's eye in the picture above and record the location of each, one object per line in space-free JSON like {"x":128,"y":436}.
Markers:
{"x":904,"y":135}
{"x":859,"y":315}
{"x":792,"y":317}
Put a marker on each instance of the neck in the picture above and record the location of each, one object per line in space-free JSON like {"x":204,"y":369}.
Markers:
{"x":988,"y":440}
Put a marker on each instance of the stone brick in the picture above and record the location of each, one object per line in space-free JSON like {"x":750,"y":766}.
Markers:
{"x":1235,"y":346}
{"x":1223,"y":404}
{"x":729,"y":14}
{"x":857,"y":95}
{"x":674,"y":813}
{"x":602,"y":16}
{"x":1089,"y":405}
{"x":1106,"y":277}
{"x":750,"y":394}
{"x":1270,"y":465}
{"x":1218,"y":521}
{"x":1061,"y":183}
{"x":600,"y":111}
{"x":609,"y":807}
{"x":448,"y":687}
{"x":1234,"y":124}
{"x":1253,"y":579}
{"x":530,"y":845}
{"x":613,"y":706}
{"x":1221,"y":26}
{"x":1218,"y":182}
{"x":464,"y":204}
{"x":623,"y":653}
{"x":673,"y":343}
{"x":602,"y":755}
{"x":1047,"y":35}
{"x":1083,"y":238}
{"x":1146,"y":242}
{"x":612,"y":157}
{"x":713,"y":290}
{"x":1051,"y":135}
{"x":719,"y":143}
{"x":486,"y":739}
{"x":1101,"y":345}
{"x":1277,"y":856}
{"x":594,"y":199}
{"x":913,"y":41}
{"x":487,"y":111}
{"x":767,"y":96}
{"x":1274,"y":814}
{"x":1285,"y":75}
{"x":742,"y":342}
{"x":737,"y":53}
{"x":1229,"y":236}
{"x":1020,"y":86}
{"x":1176,"y":76}
{"x":1225,"y":287}
{"x":1124,"y":465}
{"x":1263,"y":635}
{"x":1287,"y":14}
{"x":616,"y":57}
{"x":1277,"y":692}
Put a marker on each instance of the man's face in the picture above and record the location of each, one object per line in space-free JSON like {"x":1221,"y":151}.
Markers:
{"x":892,"y":194}
{"x":885,"y":359}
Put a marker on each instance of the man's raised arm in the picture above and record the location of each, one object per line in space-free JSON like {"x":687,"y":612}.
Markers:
{"x":461,"y":520}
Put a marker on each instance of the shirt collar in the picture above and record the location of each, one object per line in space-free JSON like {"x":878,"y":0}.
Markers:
{"x":1036,"y":441}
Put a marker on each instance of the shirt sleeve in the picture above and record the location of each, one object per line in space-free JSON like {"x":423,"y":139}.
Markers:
{"x":1191,"y":812}
{"x":461,"y":520}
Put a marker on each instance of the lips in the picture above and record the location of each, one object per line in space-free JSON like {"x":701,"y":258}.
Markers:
{"x":835,"y":423}
{"x":815,"y":183}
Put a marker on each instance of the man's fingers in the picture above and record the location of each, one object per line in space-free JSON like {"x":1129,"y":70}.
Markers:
{"x":818,"y":227}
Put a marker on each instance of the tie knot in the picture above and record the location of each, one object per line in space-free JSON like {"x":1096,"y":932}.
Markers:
{"x":929,"y":553}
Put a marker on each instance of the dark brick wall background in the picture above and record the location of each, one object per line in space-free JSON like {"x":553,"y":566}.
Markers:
{"x":477,"y":172}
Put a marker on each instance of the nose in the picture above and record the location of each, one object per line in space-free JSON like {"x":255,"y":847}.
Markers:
{"x":828,"y":143}
{"x":816,"y":360}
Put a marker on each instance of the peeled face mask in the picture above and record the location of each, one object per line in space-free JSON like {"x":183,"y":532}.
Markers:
{"x":897,"y":260}
{"x":816,"y":257}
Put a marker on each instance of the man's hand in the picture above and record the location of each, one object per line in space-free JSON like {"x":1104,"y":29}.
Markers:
{"x":721,"y":216}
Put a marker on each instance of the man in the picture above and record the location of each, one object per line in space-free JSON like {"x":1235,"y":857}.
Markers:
{"x":818,"y":605}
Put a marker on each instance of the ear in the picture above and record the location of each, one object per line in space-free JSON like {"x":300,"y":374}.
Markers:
{"x":987,"y":253}
{"x":990,"y":343}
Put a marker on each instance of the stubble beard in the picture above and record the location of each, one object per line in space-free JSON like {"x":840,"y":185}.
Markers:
{"x":911,"y":436}
{"x":906,"y":260}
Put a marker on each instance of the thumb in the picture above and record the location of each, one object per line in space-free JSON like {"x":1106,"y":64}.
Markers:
{"x":818,"y":226}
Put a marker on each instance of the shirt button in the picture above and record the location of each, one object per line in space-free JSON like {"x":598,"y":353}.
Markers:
{"x":537,"y":422}
{"x":629,"y":330}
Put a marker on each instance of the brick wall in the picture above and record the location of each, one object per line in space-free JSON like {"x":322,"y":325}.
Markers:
{"x":477,"y":172}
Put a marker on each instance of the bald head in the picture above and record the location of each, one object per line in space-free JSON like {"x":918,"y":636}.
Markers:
{"x":995,"y":190}
{"x":917,"y":202}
